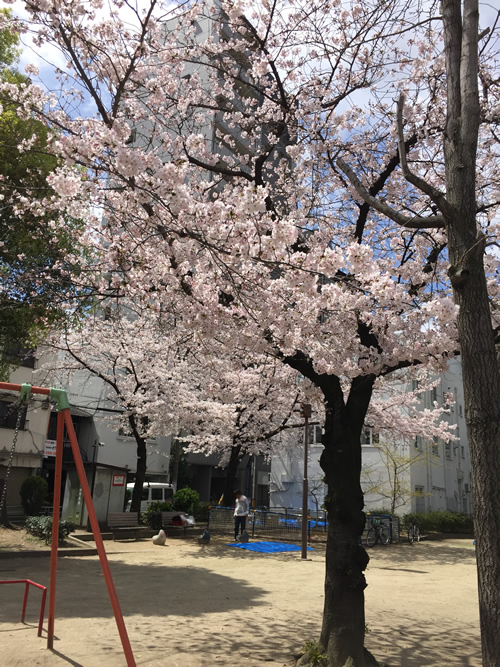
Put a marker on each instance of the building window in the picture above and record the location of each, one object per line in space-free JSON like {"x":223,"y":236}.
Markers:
{"x":435,"y":447}
{"x":434,"y":395}
{"x":418,"y":442}
{"x":316,"y":435}
{"x":462,"y":451}
{"x":8,"y":415}
{"x":369,"y":438}
{"x":460,"y":410}
{"x":447,"y":450}
{"x":20,"y":355}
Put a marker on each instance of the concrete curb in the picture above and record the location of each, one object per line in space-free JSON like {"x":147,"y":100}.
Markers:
{"x":80,"y":550}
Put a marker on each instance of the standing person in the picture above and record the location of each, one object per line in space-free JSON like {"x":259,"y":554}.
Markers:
{"x":240,"y":513}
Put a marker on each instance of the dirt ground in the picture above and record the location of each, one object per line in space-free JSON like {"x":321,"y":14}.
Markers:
{"x":187,"y":605}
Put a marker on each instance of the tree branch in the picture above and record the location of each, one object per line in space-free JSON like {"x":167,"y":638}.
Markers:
{"x":436,"y":195}
{"x":415,"y":222}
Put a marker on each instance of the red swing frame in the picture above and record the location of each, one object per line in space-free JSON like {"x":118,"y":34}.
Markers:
{"x":64,"y":419}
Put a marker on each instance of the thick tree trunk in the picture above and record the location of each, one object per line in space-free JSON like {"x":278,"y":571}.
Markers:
{"x":343,"y":630}
{"x":480,"y":372}
{"x":230,"y":479}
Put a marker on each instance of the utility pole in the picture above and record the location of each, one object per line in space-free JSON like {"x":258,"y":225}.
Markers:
{"x":306,"y":412}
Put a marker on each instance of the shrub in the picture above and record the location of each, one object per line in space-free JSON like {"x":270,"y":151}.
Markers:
{"x":186,"y":500}
{"x":33,"y":495}
{"x":201,"y":511}
{"x":152,"y":516}
{"x":41,"y":526}
{"x":442,"y":522}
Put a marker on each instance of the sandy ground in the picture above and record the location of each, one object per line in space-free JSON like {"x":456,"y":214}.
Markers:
{"x":192,"y":606}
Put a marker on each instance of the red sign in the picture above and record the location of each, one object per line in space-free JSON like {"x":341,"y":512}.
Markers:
{"x":118,"y":480}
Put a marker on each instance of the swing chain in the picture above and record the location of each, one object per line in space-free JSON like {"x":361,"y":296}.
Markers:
{"x":12,"y":452}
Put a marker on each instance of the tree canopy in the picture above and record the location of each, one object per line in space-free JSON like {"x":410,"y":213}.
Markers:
{"x":314,"y":182}
{"x":33,"y":249}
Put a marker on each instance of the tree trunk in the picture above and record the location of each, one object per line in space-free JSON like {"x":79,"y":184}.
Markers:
{"x":230,"y":479}
{"x":343,"y":630}
{"x":4,"y":520}
{"x":140,"y":474}
{"x":175,"y":453}
{"x":480,"y":372}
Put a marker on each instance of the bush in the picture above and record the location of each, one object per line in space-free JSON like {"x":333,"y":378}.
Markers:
{"x":33,"y":495}
{"x":41,"y":526}
{"x":152,"y":516}
{"x":186,"y":500}
{"x":201,"y":512}
{"x":442,"y":522}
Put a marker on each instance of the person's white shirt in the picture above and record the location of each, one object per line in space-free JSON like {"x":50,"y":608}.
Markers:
{"x":242,"y":505}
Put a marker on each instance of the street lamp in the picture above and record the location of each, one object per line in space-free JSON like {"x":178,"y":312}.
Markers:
{"x":306,"y":412}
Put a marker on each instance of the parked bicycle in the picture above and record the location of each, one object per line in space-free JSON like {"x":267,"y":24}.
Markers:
{"x":413,"y":532}
{"x":377,"y":533}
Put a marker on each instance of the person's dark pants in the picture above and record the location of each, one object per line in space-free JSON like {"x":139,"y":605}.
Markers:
{"x":239,"y":521}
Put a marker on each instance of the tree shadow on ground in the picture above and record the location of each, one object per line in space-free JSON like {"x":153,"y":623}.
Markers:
{"x":147,"y":589}
{"x":415,"y":644}
{"x":161,"y":612}
{"x":404,"y":555}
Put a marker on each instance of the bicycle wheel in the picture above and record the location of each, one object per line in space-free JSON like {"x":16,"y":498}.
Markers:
{"x":416,"y":533}
{"x":384,"y":536}
{"x":371,"y":538}
{"x":411,"y":534}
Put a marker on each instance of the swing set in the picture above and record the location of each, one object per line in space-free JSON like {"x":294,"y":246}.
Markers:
{"x":60,"y":398}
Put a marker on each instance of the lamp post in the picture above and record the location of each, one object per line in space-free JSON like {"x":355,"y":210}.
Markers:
{"x":306,"y":412}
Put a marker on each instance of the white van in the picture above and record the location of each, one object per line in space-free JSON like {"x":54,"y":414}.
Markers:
{"x":152,"y":492}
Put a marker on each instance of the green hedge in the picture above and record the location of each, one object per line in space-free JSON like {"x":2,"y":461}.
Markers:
{"x":41,"y":526}
{"x":33,"y":494}
{"x":186,"y":500}
{"x":202,"y":510}
{"x":152,"y":516}
{"x":442,"y":522}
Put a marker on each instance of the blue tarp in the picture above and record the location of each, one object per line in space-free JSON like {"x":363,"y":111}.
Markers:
{"x":268,"y":547}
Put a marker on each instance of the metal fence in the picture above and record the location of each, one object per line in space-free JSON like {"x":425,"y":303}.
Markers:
{"x":286,"y":523}
{"x":391,"y":523}
{"x":260,"y":523}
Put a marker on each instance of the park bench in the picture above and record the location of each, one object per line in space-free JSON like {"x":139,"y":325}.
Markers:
{"x":167,"y":518}
{"x":123,"y":523}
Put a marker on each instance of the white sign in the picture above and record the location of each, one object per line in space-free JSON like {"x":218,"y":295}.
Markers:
{"x":50,"y":448}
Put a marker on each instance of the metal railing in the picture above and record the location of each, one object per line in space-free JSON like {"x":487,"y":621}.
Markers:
{"x":29,"y":583}
{"x":260,"y":523}
{"x":390,"y":522}
{"x":286,"y":522}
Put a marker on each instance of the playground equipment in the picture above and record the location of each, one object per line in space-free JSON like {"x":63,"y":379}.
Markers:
{"x":64,"y":419}
{"x":29,"y":583}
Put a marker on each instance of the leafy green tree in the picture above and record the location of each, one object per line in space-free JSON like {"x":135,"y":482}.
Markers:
{"x":33,"y":494}
{"x":34,"y":247}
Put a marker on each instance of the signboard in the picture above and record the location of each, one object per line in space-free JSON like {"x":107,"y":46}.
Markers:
{"x":118,"y":480}
{"x":49,"y":448}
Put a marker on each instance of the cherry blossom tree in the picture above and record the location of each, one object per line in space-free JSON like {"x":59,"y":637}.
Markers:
{"x":165,"y":381}
{"x":257,"y":182}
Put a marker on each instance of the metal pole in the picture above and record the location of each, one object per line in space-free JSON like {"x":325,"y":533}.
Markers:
{"x":55,"y":530}
{"x":306,"y":414}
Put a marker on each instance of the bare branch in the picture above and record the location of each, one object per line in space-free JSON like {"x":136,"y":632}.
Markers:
{"x":436,"y":195}
{"x":415,"y":222}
